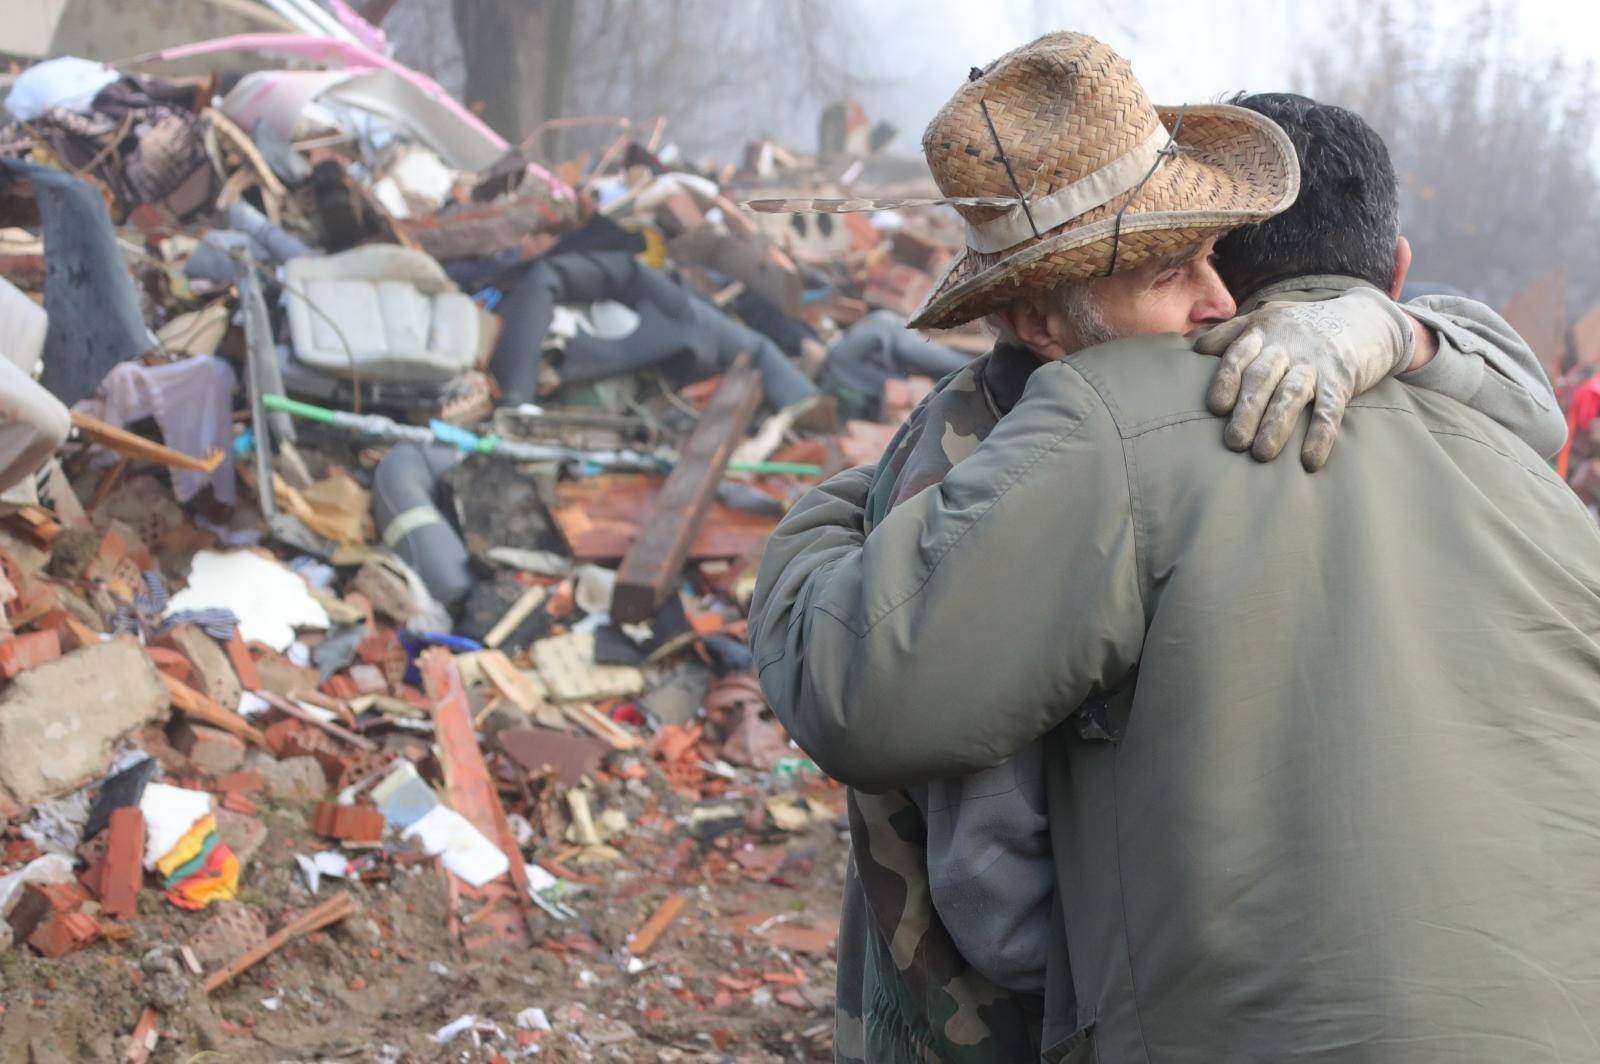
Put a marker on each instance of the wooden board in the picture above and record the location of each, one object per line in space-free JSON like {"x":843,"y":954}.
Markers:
{"x":600,"y":518}
{"x":654,"y":564}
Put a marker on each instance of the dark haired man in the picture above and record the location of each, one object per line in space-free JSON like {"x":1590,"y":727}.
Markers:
{"x":1302,"y":832}
{"x":1343,"y":234}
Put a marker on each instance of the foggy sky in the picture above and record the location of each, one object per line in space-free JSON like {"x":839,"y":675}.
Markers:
{"x":1183,"y":51}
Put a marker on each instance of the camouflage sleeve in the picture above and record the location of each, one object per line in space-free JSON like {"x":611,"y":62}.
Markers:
{"x":888,"y":481}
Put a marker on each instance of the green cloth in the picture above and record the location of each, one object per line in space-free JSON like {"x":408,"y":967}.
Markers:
{"x":193,"y":864}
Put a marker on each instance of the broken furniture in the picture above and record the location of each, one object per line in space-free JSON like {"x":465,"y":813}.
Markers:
{"x":376,"y":315}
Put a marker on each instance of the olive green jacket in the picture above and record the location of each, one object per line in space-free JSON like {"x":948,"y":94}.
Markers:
{"x":1276,"y":853}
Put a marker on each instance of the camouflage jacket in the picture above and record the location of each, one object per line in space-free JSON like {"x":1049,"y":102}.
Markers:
{"x":905,"y":993}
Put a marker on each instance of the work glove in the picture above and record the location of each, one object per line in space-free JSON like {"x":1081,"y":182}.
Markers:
{"x":1282,"y":357}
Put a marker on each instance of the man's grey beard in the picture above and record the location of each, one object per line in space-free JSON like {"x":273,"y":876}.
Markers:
{"x":1077,"y":303}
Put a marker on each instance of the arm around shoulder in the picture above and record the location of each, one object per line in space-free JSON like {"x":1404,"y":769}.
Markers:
{"x":974,"y":618}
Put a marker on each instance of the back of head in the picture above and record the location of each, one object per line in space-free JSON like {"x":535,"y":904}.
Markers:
{"x":1347,"y":217}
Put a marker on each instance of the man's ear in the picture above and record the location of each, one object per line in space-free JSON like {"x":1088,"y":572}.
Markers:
{"x":1031,"y":326}
{"x":1402,"y":266}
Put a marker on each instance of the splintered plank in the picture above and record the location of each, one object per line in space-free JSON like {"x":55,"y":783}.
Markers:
{"x":654,"y":564}
{"x":503,"y":913}
{"x":600,"y":518}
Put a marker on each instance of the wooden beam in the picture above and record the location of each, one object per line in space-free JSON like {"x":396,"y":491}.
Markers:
{"x":316,"y":918}
{"x":287,"y":707}
{"x":654,"y":564}
{"x":130,"y":445}
{"x":194,"y":704}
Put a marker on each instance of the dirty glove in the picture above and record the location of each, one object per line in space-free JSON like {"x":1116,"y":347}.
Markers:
{"x":1280,"y":357}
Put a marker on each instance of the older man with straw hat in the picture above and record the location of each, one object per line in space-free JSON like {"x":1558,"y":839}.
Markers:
{"x":944,"y":941}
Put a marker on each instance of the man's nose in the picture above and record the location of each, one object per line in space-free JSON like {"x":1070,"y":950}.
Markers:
{"x":1215,"y":303}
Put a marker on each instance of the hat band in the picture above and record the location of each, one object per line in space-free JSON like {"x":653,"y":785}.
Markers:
{"x":1064,"y":204}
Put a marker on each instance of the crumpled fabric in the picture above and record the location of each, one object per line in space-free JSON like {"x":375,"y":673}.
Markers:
{"x":192,"y":402}
{"x":143,"y":150}
{"x":188,"y":846}
{"x":147,"y":618}
{"x":218,"y":880}
{"x":95,"y":320}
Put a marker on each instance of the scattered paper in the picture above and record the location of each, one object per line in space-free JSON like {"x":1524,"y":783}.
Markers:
{"x":252,"y":704}
{"x":402,"y":796}
{"x":269,"y":599}
{"x":467,"y":853}
{"x":468,"y":1023}
{"x":327,"y":863}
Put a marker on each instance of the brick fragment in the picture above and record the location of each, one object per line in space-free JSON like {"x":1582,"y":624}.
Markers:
{"x":244,"y":666}
{"x":283,"y":736}
{"x":290,"y":738}
{"x":62,"y":933}
{"x":171,"y":663}
{"x":124,"y":871}
{"x":211,"y":750}
{"x":238,"y":803}
{"x":39,"y":901}
{"x":348,"y":823}
{"x":340,"y":686}
{"x":243,"y":782}
{"x":213,"y":668}
{"x":23,"y":652}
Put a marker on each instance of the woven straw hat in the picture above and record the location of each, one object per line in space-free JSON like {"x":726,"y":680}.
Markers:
{"x":1106,"y":179}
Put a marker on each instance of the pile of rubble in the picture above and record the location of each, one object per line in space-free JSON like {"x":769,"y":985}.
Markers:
{"x":374,"y":673}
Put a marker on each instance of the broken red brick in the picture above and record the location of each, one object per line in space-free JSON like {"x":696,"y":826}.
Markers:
{"x":282,"y":735}
{"x":58,"y":621}
{"x":39,"y":901}
{"x":243,"y":663}
{"x":238,"y":803}
{"x":34,"y":599}
{"x":62,"y":933}
{"x":246,"y":782}
{"x":171,"y":662}
{"x":348,"y":823}
{"x":340,"y":686}
{"x":124,"y":868}
{"x":27,"y":651}
{"x":211,"y":750}
{"x":292,"y":738}
{"x":20,"y":851}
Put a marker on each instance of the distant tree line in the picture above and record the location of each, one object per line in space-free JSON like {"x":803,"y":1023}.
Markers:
{"x":1495,"y":145}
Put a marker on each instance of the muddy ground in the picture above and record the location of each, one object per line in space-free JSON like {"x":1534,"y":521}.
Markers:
{"x":744,"y":973}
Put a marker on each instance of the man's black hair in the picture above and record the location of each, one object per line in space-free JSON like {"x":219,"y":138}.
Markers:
{"x":1347,"y":217}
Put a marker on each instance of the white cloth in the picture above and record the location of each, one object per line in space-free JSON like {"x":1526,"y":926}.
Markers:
{"x":67,"y":82}
{"x":191,"y":400}
{"x":33,"y":423}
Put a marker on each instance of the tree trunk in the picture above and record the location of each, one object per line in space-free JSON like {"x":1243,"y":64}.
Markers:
{"x":516,"y":59}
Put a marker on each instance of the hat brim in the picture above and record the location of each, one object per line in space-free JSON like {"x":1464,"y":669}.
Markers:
{"x":1235,"y":167}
